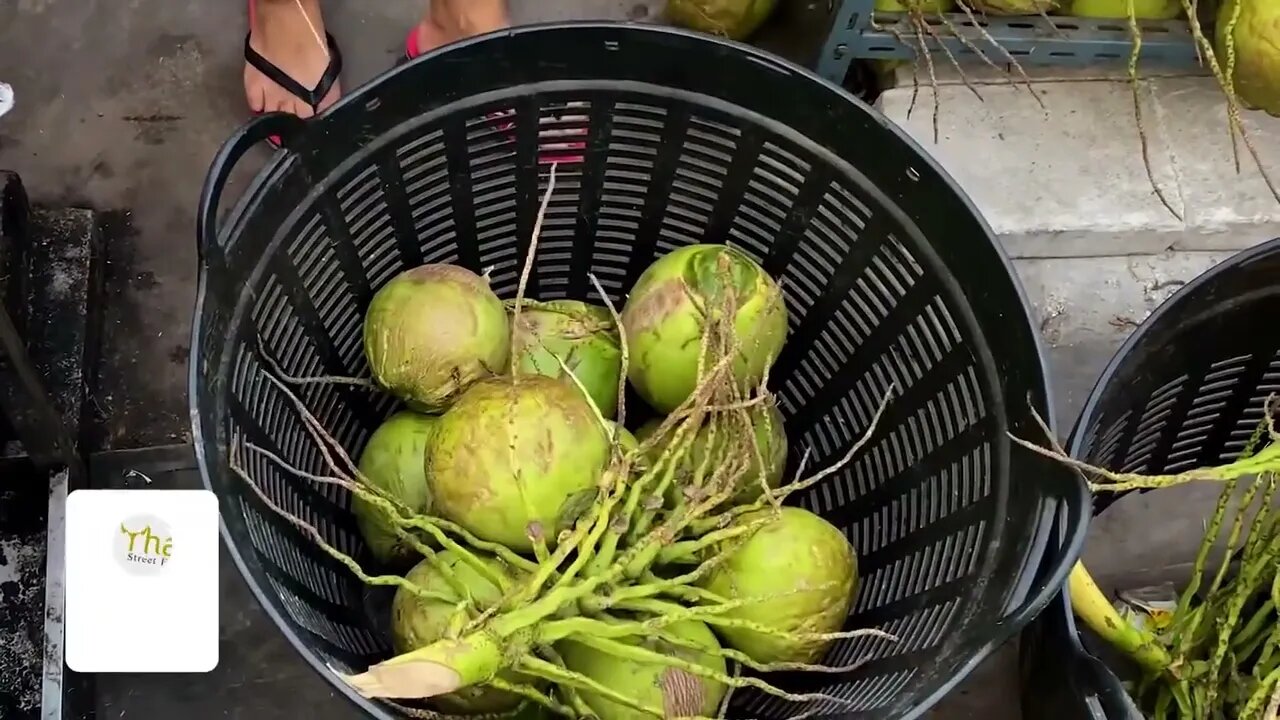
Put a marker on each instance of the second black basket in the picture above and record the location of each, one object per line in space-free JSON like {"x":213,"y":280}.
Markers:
{"x":1186,"y":390}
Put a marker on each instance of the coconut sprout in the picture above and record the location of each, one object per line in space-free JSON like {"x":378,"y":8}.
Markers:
{"x":564,"y":562}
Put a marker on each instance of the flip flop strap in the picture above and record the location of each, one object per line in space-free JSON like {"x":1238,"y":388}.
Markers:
{"x":313,"y":96}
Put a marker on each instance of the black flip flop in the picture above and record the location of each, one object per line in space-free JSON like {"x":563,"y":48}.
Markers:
{"x":313,"y":96}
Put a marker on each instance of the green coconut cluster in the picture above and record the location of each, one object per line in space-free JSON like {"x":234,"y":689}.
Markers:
{"x":543,"y":554}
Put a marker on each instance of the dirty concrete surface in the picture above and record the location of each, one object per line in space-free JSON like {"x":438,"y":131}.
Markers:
{"x":120,"y":107}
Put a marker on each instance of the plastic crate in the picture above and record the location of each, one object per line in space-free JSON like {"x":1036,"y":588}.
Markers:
{"x":858,"y":32}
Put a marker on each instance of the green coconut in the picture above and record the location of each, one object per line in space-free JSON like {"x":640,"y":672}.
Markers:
{"x":416,"y":623}
{"x":513,"y":452}
{"x":1257,"y":50}
{"x":771,"y":438}
{"x":804,"y":573}
{"x":392,"y":461}
{"x":673,"y":692}
{"x":924,"y":6}
{"x":1142,"y":9}
{"x":670,"y":305}
{"x":1016,"y":7}
{"x":582,"y":336}
{"x":432,"y":331}
{"x":734,"y":19}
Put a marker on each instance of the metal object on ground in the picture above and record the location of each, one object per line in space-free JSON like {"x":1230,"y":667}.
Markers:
{"x":48,"y":273}
{"x":858,"y":32}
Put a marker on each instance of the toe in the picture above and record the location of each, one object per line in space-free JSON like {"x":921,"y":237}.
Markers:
{"x":254,"y":92}
{"x":300,"y":108}
{"x":334,"y":93}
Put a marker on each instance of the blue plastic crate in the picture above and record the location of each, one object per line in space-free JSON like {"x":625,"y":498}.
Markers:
{"x":859,"y":32}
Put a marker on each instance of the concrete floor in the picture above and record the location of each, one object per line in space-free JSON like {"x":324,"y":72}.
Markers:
{"x":120,"y":107}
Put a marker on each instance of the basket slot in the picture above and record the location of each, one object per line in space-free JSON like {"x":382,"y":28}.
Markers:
{"x":1235,"y":387}
{"x":884,"y":601}
{"x":803,"y":207}
{"x":354,"y":646}
{"x":1145,"y":433}
{"x":938,"y":566}
{"x":339,"y":231}
{"x":872,"y":353}
{"x":456,"y":147}
{"x":807,"y":324}
{"x":309,"y":324}
{"x":585,"y":246}
{"x":392,"y":185}
{"x":305,"y":499}
{"x":655,"y":199}
{"x":969,"y":445}
{"x":337,"y":303}
{"x":283,"y":580}
{"x":736,"y":176}
{"x":289,"y":550}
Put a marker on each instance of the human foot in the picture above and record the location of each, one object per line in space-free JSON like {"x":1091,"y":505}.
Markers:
{"x":448,"y":21}
{"x":291,"y":64}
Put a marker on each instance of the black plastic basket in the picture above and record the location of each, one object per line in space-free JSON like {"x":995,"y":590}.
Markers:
{"x":891,"y":277}
{"x":1185,"y":390}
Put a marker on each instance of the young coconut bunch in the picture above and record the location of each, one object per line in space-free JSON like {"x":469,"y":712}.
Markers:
{"x":1218,"y":654}
{"x":632,"y":579}
{"x":663,"y":562}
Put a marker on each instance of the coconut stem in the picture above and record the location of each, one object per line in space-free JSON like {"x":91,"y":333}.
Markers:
{"x":691,"y":550}
{"x":1261,"y":698}
{"x":530,"y":692}
{"x":640,"y":654}
{"x":657,"y":586}
{"x":1092,"y":606}
{"x":355,"y":482}
{"x":780,"y":494}
{"x":622,"y":346}
{"x":1184,"y":623}
{"x":1228,"y":89}
{"x":746,"y":660}
{"x":1265,"y":461}
{"x":391,"y":509}
{"x":311,"y":531}
{"x":666,"y":464}
{"x":571,"y":694}
{"x":1245,"y":586}
{"x":667,"y":613}
{"x":529,"y":256}
{"x":1136,"y":86}
{"x":437,"y":669}
{"x":537,"y":667}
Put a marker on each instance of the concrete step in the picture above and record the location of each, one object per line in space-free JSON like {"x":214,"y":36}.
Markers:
{"x":1060,"y":173}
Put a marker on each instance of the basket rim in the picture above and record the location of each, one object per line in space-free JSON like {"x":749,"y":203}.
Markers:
{"x":252,"y":572}
{"x":1154,"y":322}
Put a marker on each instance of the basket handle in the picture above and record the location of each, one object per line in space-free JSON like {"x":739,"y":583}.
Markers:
{"x":260,"y":128}
{"x":1072,"y":496}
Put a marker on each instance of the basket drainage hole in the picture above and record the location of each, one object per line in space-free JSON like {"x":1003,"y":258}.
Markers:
{"x":913,"y":174}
